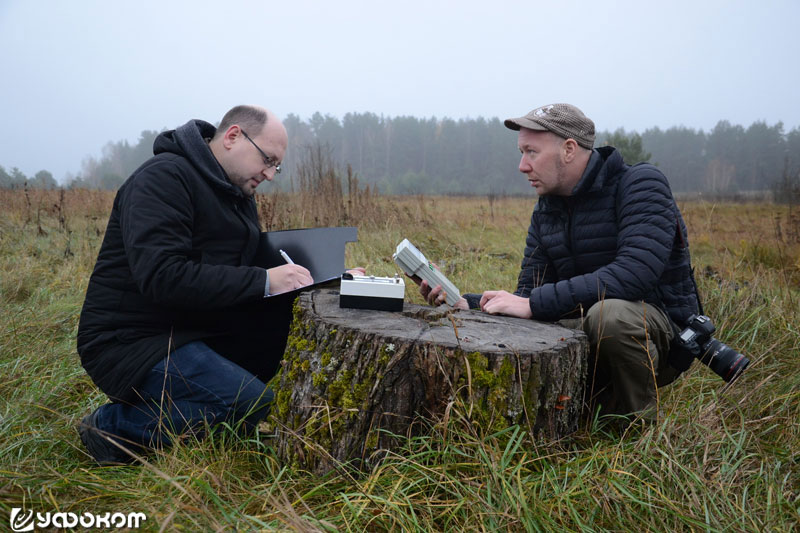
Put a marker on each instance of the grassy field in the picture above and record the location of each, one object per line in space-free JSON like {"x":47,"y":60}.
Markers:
{"x":719,"y":459}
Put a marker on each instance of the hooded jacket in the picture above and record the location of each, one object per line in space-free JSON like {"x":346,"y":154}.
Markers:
{"x":174,"y":265}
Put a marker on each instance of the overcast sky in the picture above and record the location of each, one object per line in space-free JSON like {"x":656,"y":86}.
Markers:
{"x":78,"y":74}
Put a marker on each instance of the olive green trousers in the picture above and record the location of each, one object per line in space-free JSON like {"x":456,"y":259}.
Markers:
{"x":629,"y":345}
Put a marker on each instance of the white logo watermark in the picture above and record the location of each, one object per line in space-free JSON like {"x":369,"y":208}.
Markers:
{"x":22,"y":520}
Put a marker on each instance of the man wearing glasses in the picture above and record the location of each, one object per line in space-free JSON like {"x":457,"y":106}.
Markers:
{"x":175,"y":328}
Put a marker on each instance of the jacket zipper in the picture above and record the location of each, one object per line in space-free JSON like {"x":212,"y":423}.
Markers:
{"x":570,"y":234}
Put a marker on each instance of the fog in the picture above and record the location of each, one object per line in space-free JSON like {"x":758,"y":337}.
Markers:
{"x":77,"y":75}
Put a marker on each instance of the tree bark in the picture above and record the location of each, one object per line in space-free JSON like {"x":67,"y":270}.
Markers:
{"x":351,"y":378}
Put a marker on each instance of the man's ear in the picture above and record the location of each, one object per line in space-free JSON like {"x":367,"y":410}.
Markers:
{"x":231,"y":135}
{"x":569,"y":148}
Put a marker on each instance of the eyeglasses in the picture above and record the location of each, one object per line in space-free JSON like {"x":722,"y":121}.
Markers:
{"x":268,"y":161}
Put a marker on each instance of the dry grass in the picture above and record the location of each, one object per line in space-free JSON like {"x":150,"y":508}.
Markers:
{"x":719,"y":459}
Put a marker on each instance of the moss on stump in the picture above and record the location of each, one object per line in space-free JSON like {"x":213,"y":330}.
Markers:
{"x":351,"y":378}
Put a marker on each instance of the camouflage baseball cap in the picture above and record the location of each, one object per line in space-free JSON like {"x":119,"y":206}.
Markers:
{"x":564,"y":120}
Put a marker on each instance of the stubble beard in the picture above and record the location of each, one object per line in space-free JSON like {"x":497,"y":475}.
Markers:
{"x":561,"y":176}
{"x":243,"y":184}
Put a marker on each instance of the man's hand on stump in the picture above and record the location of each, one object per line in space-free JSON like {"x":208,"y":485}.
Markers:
{"x":505,"y":303}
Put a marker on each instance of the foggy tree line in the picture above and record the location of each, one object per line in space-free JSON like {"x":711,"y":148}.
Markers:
{"x":409,"y":155}
{"x":16,"y":179}
{"x":728,"y":159}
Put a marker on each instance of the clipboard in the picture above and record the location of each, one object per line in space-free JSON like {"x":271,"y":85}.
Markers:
{"x":320,"y":250}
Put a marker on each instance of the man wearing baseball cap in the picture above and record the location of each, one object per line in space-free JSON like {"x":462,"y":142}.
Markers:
{"x":606,"y":244}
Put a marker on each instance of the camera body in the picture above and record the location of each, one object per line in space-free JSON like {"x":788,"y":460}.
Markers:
{"x":699,"y":330}
{"x":697,"y":339}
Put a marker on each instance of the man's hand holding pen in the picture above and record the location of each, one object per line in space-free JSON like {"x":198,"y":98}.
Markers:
{"x":292,"y":276}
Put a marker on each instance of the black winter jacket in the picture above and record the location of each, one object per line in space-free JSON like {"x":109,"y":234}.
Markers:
{"x":619,"y":235}
{"x":175,"y":263}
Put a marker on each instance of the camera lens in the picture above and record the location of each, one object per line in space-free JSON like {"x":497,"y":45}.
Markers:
{"x":724,"y":360}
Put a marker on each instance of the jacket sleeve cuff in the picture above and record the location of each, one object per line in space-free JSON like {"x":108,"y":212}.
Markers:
{"x":266,"y":284}
{"x":473,"y":300}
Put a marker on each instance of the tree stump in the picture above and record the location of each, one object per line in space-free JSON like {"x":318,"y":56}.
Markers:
{"x":352,"y":378}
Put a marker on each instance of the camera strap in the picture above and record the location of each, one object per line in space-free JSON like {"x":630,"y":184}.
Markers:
{"x":691,"y":268}
{"x":681,"y":356}
{"x":678,"y":233}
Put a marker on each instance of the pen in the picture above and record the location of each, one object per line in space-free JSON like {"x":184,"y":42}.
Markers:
{"x":286,"y":257}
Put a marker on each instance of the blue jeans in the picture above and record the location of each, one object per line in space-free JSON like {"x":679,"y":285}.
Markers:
{"x":192,"y":387}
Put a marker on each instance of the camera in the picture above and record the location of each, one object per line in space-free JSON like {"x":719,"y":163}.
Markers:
{"x":718,"y":356}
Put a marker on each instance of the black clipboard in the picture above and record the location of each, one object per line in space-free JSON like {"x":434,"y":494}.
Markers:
{"x":320,"y":250}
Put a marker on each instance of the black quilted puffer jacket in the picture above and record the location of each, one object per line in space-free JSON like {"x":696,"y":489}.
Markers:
{"x":619,"y":235}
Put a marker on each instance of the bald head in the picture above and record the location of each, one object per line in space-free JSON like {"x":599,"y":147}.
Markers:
{"x":250,"y":118}
{"x":249,"y":143}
